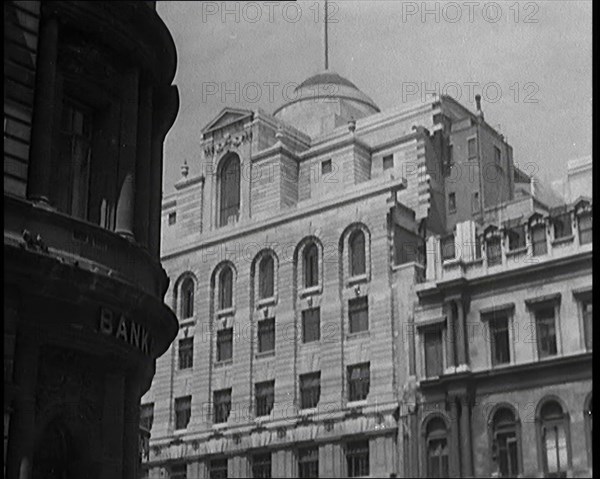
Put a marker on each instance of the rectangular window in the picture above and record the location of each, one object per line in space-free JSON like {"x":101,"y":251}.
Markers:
{"x":359,"y":378}
{"x":434,"y":361}
{"x":562,"y":226}
{"x":538,"y":240}
{"x":265,"y":397}
{"x":494,"y":252}
{"x":326,"y":167}
{"x":448,"y":247}
{"x":358,"y":314}
{"x":261,"y":465}
{"x":172,"y":218}
{"x":516,"y":238}
{"x":147,"y":416}
{"x":546,"y":331}
{"x":224,"y":344}
{"x":310,"y":390}
{"x":388,"y":162}
{"x":452,"y":202}
{"x":308,"y":462}
{"x":218,"y":469}
{"x":178,"y":471}
{"x":585,"y":228}
{"x":475,"y":202}
{"x":311,"y":325}
{"x":222,"y":405}
{"x":357,"y":458}
{"x":183,"y":411}
{"x":186,"y":353}
{"x":499,"y":339}
{"x":497,"y":155}
{"x":472,"y":147}
{"x":586,"y":311}
{"x":266,"y":335}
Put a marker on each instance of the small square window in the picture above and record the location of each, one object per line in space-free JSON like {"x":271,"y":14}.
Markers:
{"x":388,"y":162}
{"x":326,"y":167}
{"x":452,"y":202}
{"x":172,"y":218}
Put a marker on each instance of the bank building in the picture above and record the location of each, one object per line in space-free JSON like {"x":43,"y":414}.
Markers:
{"x":368,"y":293}
{"x":88,"y":101}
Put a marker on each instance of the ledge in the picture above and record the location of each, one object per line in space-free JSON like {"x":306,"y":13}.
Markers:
{"x":226,"y":312}
{"x":311,"y":291}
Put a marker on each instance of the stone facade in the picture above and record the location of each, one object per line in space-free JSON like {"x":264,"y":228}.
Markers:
{"x":88,"y":101}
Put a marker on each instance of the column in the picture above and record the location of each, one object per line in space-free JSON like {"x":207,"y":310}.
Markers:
{"x":465,"y":437}
{"x":143,"y":169}
{"x":40,"y":156}
{"x":112,"y":426}
{"x":454,"y":443}
{"x":127,"y":157}
{"x":461,"y":339}
{"x":131,"y":428}
{"x":451,"y":339}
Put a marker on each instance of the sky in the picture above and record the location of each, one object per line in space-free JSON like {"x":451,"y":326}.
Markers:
{"x":530,"y":61}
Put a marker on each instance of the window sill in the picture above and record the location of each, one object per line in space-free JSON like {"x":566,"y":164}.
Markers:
{"x":563,"y":240}
{"x":359,"y":278}
{"x":223,"y":364}
{"x":309,"y":411}
{"x":226,"y":312}
{"x":515,"y":252}
{"x":219,"y":426}
{"x":262,"y":303}
{"x":184,"y":371}
{"x":356,"y":404}
{"x":187,"y":322}
{"x":358,"y":334}
{"x":265,"y":354}
{"x":311,"y":344}
{"x":311,"y":291}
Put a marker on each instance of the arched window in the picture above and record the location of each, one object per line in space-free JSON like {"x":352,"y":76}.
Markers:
{"x":506,"y":443}
{"x":357,"y":253}
{"x":226,"y":288}
{"x":230,"y":190}
{"x":266,"y":276}
{"x":554,"y":436}
{"x":187,"y":298}
{"x":311,"y":265}
{"x":437,"y":448}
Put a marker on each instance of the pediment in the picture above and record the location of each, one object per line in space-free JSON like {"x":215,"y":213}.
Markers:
{"x":226,"y":117}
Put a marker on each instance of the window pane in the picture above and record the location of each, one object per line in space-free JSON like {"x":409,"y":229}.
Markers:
{"x":358,"y":381}
{"x":230,"y":191}
{"x":586,"y":307}
{"x":147,"y":416}
{"x":308,"y":462}
{"x":266,"y":277}
{"x":357,"y":253}
{"x":187,"y":298}
{"x":186,"y":353}
{"x":265,"y":397}
{"x":311,"y":325}
{"x":546,"y":331}
{"x":218,"y":469}
{"x":472,"y":147}
{"x":562,"y":226}
{"x":433,"y":353}
{"x":494,"y":252}
{"x":182,"y":411}
{"x":499,"y":340}
{"x":224,"y":344}
{"x":311,"y":266}
{"x":357,"y":458}
{"x":261,"y":465}
{"x":516,"y":238}
{"x":358,"y":314}
{"x":226,"y":288}
{"x":266,"y":335}
{"x":222,"y":405}
{"x":310,"y":390}
{"x":538,"y":237}
{"x":585,"y":228}
{"x":448,"y":247}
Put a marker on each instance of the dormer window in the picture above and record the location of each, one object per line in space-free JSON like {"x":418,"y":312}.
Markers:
{"x":229,"y":178}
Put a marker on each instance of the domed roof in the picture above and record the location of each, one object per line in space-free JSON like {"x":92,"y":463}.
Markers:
{"x":326,"y":86}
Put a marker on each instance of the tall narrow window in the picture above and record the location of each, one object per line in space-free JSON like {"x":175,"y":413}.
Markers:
{"x":183,"y":410}
{"x":554,"y":424}
{"x":311,"y":265}
{"x":75,"y":151}
{"x":218,"y":469}
{"x":434,"y":363}
{"x":497,"y":155}
{"x":538,"y":240}
{"x":187,"y":298}
{"x":147,"y":416}
{"x":452,"y":202}
{"x":475,"y":202}
{"x":448,"y":246}
{"x":266,"y":335}
{"x":546,"y":331}
{"x":261,"y":465}
{"x":186,"y":353}
{"x":265,"y":397}
{"x":266,"y":273}
{"x":472,"y":148}
{"x":506,"y":443}
{"x":357,"y":458}
{"x":311,"y":325}
{"x":585,"y":228}
{"x":358,"y":314}
{"x":230,"y":191}
{"x":224,"y":344}
{"x":222,"y":405}
{"x":494,"y":251}
{"x":586,"y":312}
{"x":499,"y":339}
{"x":310,"y":390}
{"x":308,"y":462}
{"x":437,"y":448}
{"x":226,"y":288}
{"x":357,"y":253}
{"x":359,"y":379}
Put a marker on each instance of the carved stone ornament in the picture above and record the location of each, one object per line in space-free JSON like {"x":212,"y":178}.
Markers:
{"x":228,"y":142}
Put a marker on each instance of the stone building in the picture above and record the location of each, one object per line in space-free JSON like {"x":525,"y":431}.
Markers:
{"x":88,"y":101}
{"x":301,"y":258}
